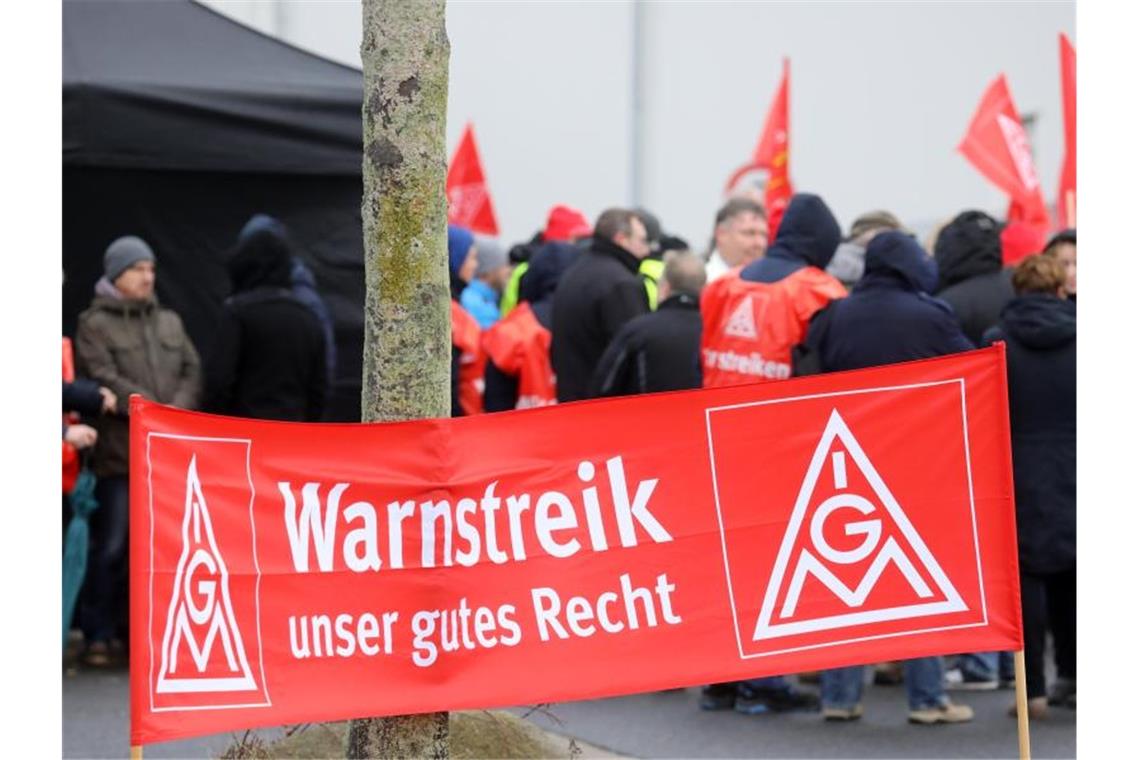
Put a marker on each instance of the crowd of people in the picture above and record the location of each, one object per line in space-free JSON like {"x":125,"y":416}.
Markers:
{"x":615,"y":307}
{"x":619,"y":307}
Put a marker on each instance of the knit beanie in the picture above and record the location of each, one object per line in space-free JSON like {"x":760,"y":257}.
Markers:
{"x":459,"y":241}
{"x":490,"y":254}
{"x":565,"y":224}
{"x":123,"y":254}
{"x":262,"y":222}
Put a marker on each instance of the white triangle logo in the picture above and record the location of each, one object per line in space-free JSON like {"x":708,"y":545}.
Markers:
{"x":201,"y":615}
{"x":742,"y":323}
{"x":815,"y":556}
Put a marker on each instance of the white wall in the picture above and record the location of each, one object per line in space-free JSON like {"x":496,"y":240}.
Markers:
{"x":881,"y":93}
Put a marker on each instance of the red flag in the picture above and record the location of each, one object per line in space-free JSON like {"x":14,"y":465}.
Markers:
{"x":1067,"y":191}
{"x":468,"y":200}
{"x":771,"y":153}
{"x":997,"y":146}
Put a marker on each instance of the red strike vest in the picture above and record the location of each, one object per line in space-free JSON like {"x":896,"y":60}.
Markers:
{"x":465,"y":335}
{"x":749,"y":328}
{"x":70,"y":454}
{"x":520,"y":346}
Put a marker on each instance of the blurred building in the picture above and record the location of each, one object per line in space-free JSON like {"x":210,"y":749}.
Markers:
{"x":594,"y":104}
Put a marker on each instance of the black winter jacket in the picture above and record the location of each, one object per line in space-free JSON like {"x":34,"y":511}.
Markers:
{"x":978,"y":301}
{"x":270,"y":360}
{"x":970,"y":277}
{"x":654,"y":352}
{"x":1040,"y":332}
{"x":599,"y":293}
{"x":889,"y":315}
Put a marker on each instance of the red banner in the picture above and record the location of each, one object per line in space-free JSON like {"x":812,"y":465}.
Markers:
{"x":283,"y":573}
{"x":468,"y":199}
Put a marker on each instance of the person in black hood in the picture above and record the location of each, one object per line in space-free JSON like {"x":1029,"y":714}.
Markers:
{"x":597,"y":295}
{"x":808,"y":236}
{"x":1039,"y":327}
{"x":890,"y":315}
{"x":970,"y":275}
{"x":270,"y":361}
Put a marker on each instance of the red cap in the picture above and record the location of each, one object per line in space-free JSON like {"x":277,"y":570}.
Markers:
{"x":565,"y":224}
{"x":1020,"y":239}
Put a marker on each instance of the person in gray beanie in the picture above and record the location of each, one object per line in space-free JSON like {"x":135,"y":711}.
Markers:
{"x":123,"y":254}
{"x":481,"y":297}
{"x":129,"y":344}
{"x":849,"y":260}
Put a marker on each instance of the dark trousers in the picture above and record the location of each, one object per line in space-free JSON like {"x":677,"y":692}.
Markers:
{"x":1049,"y":603}
{"x":105,"y":584}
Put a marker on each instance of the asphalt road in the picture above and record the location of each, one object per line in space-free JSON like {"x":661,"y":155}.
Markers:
{"x":662,"y":724}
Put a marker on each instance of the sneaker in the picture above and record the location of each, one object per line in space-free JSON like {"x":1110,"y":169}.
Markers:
{"x":1038,"y":708}
{"x":843,"y":713}
{"x":888,"y":674}
{"x":947,"y":713}
{"x":959,"y":680}
{"x":718,"y":696}
{"x":98,"y":655}
{"x":1063,"y":692}
{"x":755,"y":701}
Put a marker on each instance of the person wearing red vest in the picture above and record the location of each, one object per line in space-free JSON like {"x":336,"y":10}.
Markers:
{"x":519,"y":374}
{"x":754,"y":316}
{"x":467,"y":358}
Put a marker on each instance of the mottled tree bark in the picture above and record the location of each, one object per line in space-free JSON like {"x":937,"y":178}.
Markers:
{"x":407,"y":325}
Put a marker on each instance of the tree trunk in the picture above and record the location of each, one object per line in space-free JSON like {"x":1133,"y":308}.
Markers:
{"x":407,"y":324}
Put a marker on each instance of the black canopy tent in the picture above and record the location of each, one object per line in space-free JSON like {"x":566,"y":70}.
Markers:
{"x":178,"y":125}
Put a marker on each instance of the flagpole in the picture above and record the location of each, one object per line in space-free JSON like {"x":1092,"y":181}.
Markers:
{"x":1022,"y":705}
{"x":136,"y":752}
{"x":1071,"y":208}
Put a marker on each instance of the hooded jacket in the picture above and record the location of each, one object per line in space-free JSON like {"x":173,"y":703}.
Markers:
{"x":754,"y":316}
{"x":970,"y":274}
{"x":270,"y":361}
{"x":890,"y":315}
{"x":598,"y":294}
{"x":1040,"y":333}
{"x":133,"y":346}
{"x":808,"y":236}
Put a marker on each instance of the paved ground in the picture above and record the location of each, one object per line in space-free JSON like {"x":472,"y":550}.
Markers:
{"x":663,"y":724}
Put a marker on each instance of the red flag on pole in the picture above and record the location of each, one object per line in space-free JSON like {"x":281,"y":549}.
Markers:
{"x":997,"y":146}
{"x":468,"y":200}
{"x":1067,"y":191}
{"x":771,"y":153}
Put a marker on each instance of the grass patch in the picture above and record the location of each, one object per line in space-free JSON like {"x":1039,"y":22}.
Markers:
{"x":475,"y":735}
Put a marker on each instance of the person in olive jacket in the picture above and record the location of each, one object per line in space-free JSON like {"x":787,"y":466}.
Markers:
{"x":128,"y":343}
{"x":1039,"y":327}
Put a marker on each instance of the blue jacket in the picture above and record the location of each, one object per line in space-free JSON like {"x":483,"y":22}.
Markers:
{"x":808,"y":236}
{"x":481,"y":302}
{"x":890,"y":315}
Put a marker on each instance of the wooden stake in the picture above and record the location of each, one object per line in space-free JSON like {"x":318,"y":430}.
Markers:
{"x":1022,"y":705}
